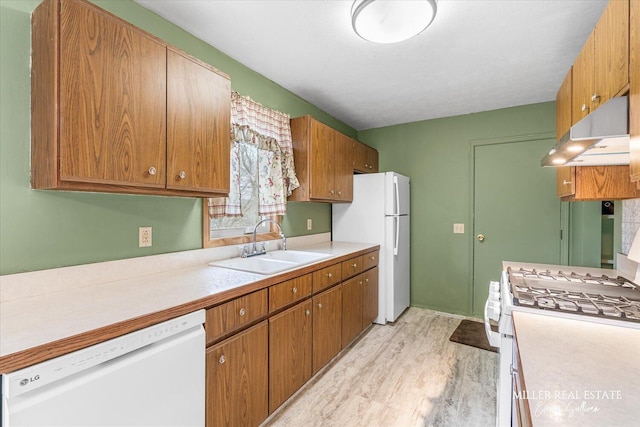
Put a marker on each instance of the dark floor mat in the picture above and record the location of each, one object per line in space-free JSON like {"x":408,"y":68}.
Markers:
{"x":473,"y":334}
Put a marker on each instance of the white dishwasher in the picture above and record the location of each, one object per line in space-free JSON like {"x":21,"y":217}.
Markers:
{"x":151,"y":377}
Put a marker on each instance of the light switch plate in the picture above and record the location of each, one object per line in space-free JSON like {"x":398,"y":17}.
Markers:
{"x":458,"y":228}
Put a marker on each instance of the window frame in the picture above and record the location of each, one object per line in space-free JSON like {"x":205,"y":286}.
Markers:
{"x":208,"y":242}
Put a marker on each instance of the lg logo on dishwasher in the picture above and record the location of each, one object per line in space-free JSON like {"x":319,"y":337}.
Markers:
{"x":29,"y":380}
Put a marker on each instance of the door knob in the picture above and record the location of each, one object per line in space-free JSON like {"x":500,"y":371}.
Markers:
{"x":481,"y":237}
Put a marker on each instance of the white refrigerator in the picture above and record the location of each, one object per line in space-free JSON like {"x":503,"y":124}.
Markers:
{"x":379,"y":214}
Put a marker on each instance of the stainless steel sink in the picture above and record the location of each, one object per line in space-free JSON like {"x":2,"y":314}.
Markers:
{"x":271,"y":262}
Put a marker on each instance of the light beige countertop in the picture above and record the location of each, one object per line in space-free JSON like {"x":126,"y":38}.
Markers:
{"x":579,"y":373}
{"x":85,"y":313}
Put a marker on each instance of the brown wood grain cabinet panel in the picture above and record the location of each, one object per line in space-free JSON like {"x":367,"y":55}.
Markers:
{"x":237,"y":379}
{"x":288,"y":292}
{"x":566,"y":181}
{"x":351,"y":309}
{"x":583,"y":81}
{"x":370,"y":260}
{"x":327,"y":326}
{"x":604,"y":182}
{"x":323,"y":164}
{"x":563,"y":106}
{"x":351,"y":267}
{"x":370,"y":297}
{"x":611,"y":51}
{"x":344,"y":168}
{"x":101,"y":92}
{"x":290,"y":334}
{"x":634,"y":89}
{"x":228,"y":317}
{"x":326,"y":277}
{"x":365,"y":157}
{"x":198,"y":121}
{"x":112,"y":100}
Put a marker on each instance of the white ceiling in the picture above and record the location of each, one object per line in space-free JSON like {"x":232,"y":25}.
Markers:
{"x":477,"y":55}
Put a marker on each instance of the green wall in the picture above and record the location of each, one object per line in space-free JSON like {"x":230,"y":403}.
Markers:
{"x":436,"y":154}
{"x":46,"y":229}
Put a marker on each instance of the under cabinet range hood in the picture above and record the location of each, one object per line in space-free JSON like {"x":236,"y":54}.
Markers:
{"x":601,"y":138}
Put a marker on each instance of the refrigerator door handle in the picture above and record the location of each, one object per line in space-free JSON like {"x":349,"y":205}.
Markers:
{"x":397,"y":240}
{"x":396,"y":195}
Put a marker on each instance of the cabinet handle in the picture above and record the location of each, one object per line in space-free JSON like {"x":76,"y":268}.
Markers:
{"x":294,"y":290}
{"x":307,"y":312}
{"x":329,"y":275}
{"x":594,"y":97}
{"x":152,"y":170}
{"x":222,"y":359}
{"x":584,"y":108}
{"x":241,"y":312}
{"x":565,"y":182}
{"x":319,"y":305}
{"x":182,"y":175}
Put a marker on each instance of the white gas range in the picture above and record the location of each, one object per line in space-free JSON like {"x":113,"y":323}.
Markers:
{"x":588,"y":294}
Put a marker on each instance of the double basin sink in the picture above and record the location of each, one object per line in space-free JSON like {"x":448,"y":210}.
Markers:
{"x":271,"y":262}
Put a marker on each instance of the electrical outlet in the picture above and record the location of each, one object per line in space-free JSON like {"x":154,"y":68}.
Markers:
{"x":144,"y":237}
{"x":458,"y":228}
{"x":309,"y":224}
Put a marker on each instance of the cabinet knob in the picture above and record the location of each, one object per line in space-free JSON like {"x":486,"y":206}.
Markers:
{"x":222,"y":359}
{"x":366,"y":165}
{"x":307,"y":312}
{"x":319,"y":305}
{"x":332,"y":192}
{"x":595,"y":96}
{"x":366,"y":280}
{"x":360,"y":282}
{"x":565,"y":182}
{"x":584,"y":108}
{"x":370,"y":167}
{"x":182,"y":175}
{"x":354,"y":265}
{"x":329,"y":275}
{"x":294,"y":290}
{"x":339,"y":193}
{"x":242,"y":312}
{"x":152,"y":170}
{"x":373,"y":258}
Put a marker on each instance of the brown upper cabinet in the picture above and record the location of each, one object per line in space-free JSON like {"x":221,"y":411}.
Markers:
{"x":634,"y":90}
{"x":365,"y":158}
{"x":323,"y":159}
{"x":115,"y":109}
{"x":565,"y":184}
{"x":601,"y":70}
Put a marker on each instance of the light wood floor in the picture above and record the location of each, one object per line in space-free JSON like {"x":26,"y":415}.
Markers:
{"x":405,"y":374}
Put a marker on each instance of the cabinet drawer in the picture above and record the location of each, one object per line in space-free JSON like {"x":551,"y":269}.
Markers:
{"x":369,"y":260}
{"x":326,"y":277}
{"x":228,"y":317}
{"x":351,"y":267}
{"x":285,"y":293}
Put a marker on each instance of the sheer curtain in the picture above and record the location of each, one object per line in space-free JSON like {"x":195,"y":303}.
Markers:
{"x":260,"y":137}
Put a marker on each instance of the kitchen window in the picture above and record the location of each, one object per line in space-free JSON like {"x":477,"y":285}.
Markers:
{"x":262,"y":175}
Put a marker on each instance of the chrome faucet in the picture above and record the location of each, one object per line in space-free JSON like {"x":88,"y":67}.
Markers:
{"x":254,"y":247}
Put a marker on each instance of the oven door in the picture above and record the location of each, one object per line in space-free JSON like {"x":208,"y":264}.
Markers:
{"x":492,"y":311}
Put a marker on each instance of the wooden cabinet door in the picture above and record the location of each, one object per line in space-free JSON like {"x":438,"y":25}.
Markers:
{"x":372,"y":159}
{"x":344,"y":168}
{"x":198,"y":121}
{"x":370,"y":297}
{"x":611,"y":52}
{"x":322,"y":163}
{"x":289,"y":352}
{"x":327,"y":326}
{"x":112,"y":107}
{"x":566,"y":181}
{"x":583,"y":81}
{"x":237,"y":379}
{"x":604,"y":183}
{"x":634,"y":89}
{"x":351,"y":309}
{"x":563,"y":107}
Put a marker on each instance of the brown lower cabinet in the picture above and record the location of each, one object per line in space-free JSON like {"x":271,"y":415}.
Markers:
{"x":289,"y":352}
{"x":327,"y":326}
{"x":237,"y":379}
{"x":312,"y":318}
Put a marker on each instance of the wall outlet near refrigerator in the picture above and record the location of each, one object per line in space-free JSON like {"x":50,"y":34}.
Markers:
{"x":309,"y":224}
{"x":458,"y":228}
{"x":144,"y":237}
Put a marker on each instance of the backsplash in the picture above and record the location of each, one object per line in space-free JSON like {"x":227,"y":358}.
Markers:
{"x":630,"y":222}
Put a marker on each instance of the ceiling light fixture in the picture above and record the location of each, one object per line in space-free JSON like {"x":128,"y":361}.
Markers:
{"x":391,"y":21}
